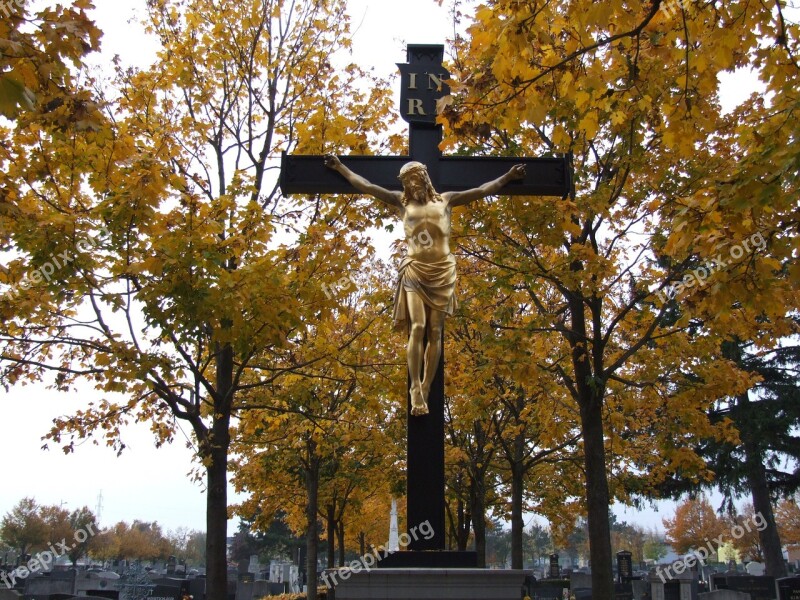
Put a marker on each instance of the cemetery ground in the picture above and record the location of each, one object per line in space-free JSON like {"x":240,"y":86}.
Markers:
{"x":696,"y":576}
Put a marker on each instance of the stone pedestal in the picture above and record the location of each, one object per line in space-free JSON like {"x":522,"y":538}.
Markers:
{"x":428,"y":584}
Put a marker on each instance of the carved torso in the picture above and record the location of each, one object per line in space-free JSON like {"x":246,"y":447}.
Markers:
{"x":427,"y":229}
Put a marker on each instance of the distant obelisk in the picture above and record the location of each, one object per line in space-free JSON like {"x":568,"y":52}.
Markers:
{"x":394,"y":543}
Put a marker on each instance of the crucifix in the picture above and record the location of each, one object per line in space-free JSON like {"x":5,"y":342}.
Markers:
{"x":427,"y":275}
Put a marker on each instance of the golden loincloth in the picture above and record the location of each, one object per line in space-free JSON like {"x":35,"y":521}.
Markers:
{"x":435,"y":283}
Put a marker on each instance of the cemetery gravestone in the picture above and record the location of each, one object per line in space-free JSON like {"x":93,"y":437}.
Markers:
{"x":578,"y":580}
{"x":135,"y":584}
{"x":545,"y":590}
{"x":759,"y":588}
{"x":789,"y":588}
{"x":724,"y":595}
{"x":165,"y":592}
{"x":172,"y":565}
{"x":623,"y":591}
{"x":197,"y":588}
{"x":624,"y":566}
{"x":555,"y":570}
{"x":641,"y":589}
{"x":682,"y":588}
{"x":254,"y":567}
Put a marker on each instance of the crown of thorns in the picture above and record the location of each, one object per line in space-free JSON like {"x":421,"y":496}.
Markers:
{"x":411,"y":167}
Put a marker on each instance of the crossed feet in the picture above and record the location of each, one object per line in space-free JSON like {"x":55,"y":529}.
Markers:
{"x":418,"y":404}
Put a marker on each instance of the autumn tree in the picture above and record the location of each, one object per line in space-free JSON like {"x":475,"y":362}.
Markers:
{"x":187,"y":545}
{"x":527,"y":424}
{"x":24,"y":528}
{"x":655,"y":547}
{"x":694,"y":525}
{"x":630,"y":537}
{"x":326,"y":434}
{"x":84,"y":527}
{"x":38,"y":61}
{"x":150,"y":253}
{"x":787,"y":516}
{"x":630,"y":90}
{"x":766,"y":418}
{"x":537,"y":542}
{"x":141,"y":540}
{"x":30,"y":527}
{"x":745,"y":530}
{"x":468,"y":429}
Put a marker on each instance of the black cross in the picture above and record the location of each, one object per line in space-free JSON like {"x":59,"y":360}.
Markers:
{"x":423,"y":80}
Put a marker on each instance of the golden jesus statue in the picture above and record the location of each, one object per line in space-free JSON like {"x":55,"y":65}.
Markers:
{"x":425,"y":292}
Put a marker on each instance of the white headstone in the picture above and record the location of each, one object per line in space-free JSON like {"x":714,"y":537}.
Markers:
{"x":755,"y":568}
{"x":394,"y":540}
{"x":254,"y":567}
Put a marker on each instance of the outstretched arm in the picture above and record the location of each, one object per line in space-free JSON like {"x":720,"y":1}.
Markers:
{"x":363,"y":185}
{"x":487,"y":189}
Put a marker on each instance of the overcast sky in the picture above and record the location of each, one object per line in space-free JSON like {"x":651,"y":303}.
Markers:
{"x":153,"y":484}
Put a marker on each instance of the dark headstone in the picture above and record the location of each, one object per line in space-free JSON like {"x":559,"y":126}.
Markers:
{"x":108,"y":594}
{"x":165,"y":592}
{"x":545,"y":589}
{"x":555,"y":570}
{"x":789,"y":588}
{"x":181,"y":584}
{"x":623,"y":591}
{"x":172,"y":564}
{"x":446,"y":559}
{"x":760,"y":587}
{"x":582,"y":593}
{"x":672,"y":590}
{"x":547,"y":593}
{"x":624,"y":566}
{"x":197,"y":588}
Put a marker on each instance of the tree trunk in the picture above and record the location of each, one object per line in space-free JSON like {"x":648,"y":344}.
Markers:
{"x":362,"y":543}
{"x":215,"y":448}
{"x":478,"y":501}
{"x":517,"y":489}
{"x":217,"y":525}
{"x":587,"y":364}
{"x":312,"y":533}
{"x":597,"y":499}
{"x":762,"y":505}
{"x":464,"y":523}
{"x":330,"y":520}
{"x":769,"y":537}
{"x":340,"y":537}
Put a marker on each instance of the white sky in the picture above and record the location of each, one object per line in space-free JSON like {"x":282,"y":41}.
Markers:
{"x":148,"y":483}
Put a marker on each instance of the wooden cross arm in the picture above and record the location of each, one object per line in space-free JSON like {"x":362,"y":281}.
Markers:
{"x":307,"y":174}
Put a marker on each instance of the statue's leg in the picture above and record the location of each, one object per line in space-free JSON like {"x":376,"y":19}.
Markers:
{"x":434,"y":349}
{"x":415,"y":351}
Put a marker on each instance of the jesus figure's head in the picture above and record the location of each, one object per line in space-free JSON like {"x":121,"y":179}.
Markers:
{"x":417,"y":186}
